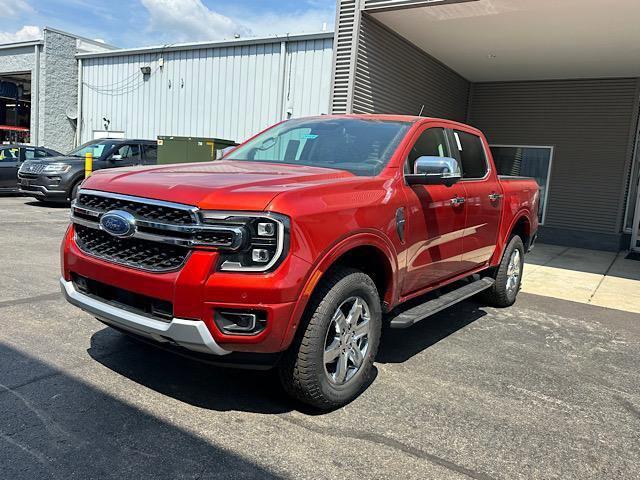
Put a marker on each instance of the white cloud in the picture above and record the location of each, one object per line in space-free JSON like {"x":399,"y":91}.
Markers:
{"x":28,"y":32}
{"x":186,"y":20}
{"x":191,"y":20}
{"x":13,"y":8}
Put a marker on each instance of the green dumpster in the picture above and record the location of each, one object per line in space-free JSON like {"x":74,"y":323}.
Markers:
{"x":190,"y":149}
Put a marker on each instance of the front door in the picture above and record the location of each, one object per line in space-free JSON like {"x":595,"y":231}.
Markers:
{"x":435,"y":220}
{"x":484,"y":198}
{"x":9,"y":163}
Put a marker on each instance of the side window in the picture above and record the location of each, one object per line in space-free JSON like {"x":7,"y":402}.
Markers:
{"x":8,"y":155}
{"x":41,"y":153}
{"x":29,"y":154}
{"x":431,"y":143}
{"x":151,"y":153}
{"x":130,"y":152}
{"x":471,"y":153}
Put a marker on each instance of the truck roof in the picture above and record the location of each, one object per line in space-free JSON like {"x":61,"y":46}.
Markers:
{"x":396,"y":118}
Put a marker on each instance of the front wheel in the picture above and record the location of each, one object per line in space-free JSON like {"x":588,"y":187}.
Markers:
{"x":508,"y":276}
{"x":331,"y":361}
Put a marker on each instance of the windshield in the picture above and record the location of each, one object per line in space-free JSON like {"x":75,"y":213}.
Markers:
{"x":360,"y":146}
{"x":96,"y":148}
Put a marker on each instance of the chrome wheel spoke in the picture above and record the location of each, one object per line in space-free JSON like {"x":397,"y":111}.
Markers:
{"x":362,"y":329}
{"x":355,"y":313}
{"x":342,"y":368}
{"x":356,"y":356}
{"x":332,"y":351}
{"x":340,"y":320}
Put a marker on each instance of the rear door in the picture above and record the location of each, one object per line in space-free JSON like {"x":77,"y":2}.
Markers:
{"x":435,"y":219}
{"x":130,"y":154}
{"x":483,"y":197}
{"x":9,"y":163}
{"x":150,"y":154}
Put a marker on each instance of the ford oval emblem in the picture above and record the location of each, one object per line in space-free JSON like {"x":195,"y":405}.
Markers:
{"x":118,"y":223}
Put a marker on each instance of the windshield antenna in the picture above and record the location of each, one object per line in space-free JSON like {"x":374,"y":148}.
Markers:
{"x":421,"y":110}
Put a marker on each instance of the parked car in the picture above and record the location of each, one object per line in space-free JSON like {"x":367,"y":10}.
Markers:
{"x":297,"y":247}
{"x":58,"y":178}
{"x":11,"y":157}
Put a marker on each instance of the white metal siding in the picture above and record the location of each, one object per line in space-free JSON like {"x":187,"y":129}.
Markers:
{"x":226,"y":92}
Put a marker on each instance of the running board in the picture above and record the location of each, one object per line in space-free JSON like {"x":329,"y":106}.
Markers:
{"x":428,"y":308}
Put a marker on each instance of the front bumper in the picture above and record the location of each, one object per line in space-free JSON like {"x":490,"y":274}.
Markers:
{"x":197,"y":290}
{"x":191,"y":334}
{"x":43,"y":186}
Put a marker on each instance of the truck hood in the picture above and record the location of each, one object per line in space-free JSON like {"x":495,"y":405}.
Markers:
{"x":220,"y":185}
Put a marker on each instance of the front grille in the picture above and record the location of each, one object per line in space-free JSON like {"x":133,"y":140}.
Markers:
{"x":31,"y":176}
{"x":34,"y":168}
{"x":118,"y":297}
{"x":146,"y":211}
{"x":132,"y":252}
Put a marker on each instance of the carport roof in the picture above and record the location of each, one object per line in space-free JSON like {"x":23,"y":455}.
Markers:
{"x":501,"y":40}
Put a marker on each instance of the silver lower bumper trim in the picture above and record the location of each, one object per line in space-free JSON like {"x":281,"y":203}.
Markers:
{"x":191,"y":334}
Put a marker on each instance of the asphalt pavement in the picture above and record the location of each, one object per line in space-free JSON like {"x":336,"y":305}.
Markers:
{"x":545,"y":389}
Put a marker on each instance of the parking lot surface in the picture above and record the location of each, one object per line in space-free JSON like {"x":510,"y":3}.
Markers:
{"x":545,"y":389}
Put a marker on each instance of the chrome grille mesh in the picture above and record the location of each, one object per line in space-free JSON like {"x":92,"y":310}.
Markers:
{"x":132,"y":252}
{"x":146,"y":211}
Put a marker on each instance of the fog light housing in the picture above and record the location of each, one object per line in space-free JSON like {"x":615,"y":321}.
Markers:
{"x":240,"y":322}
{"x":260,"y":255}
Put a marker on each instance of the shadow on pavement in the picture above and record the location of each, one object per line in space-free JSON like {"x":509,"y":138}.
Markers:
{"x":196,"y":383}
{"x":226,"y":389}
{"x":399,"y":345}
{"x":54,"y":426}
{"x":37,"y":203}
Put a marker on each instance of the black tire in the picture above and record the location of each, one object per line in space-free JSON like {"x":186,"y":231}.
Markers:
{"x":74,"y":190}
{"x":302,"y":369}
{"x":500,"y":295}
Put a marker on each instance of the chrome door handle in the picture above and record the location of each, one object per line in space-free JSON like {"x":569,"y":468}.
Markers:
{"x":494,"y":197}
{"x":455,"y":201}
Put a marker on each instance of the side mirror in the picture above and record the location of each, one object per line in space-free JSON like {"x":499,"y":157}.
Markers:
{"x":435,"y":171}
{"x":116,"y":158}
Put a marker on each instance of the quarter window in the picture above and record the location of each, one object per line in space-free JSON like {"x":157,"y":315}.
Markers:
{"x":472,"y":156}
{"x":431,"y":143}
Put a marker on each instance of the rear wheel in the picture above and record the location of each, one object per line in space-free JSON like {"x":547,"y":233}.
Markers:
{"x":331,"y":361}
{"x":508,"y":276}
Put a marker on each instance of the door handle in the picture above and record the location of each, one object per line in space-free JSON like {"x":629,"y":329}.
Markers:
{"x":494,"y":197}
{"x":455,"y":201}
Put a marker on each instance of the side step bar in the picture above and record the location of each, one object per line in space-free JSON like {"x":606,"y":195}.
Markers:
{"x":420,"y":312}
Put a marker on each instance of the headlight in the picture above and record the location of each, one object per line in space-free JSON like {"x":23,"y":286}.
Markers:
{"x":56,"y":168}
{"x":265,"y":244}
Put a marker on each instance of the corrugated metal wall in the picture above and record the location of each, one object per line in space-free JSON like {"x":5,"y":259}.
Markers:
{"x":394,"y":76}
{"x":347,"y":21}
{"x":590,"y":124}
{"x":371,"y":62}
{"x":226,"y":92}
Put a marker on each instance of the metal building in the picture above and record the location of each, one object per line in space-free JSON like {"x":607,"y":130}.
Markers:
{"x":554,"y":85}
{"x":229,"y":89}
{"x":38,"y":101}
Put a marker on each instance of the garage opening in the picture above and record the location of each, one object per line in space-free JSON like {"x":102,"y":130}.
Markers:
{"x":15,"y":108}
{"x":555,"y":92}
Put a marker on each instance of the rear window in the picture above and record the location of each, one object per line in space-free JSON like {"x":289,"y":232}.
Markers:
{"x":472,"y":156}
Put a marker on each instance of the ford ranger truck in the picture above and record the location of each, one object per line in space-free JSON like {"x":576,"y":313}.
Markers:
{"x":296,"y":248}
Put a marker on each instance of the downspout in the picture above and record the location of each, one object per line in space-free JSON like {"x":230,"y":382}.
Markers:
{"x":283,"y":79}
{"x":79,"y":107}
{"x":35,"y":103}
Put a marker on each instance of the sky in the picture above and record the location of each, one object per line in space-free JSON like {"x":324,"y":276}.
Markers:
{"x":136,"y":23}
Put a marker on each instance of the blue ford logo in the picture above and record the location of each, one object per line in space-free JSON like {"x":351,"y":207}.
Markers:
{"x":118,"y":223}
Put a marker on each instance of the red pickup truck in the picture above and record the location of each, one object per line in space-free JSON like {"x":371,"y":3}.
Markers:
{"x":301,"y":244}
